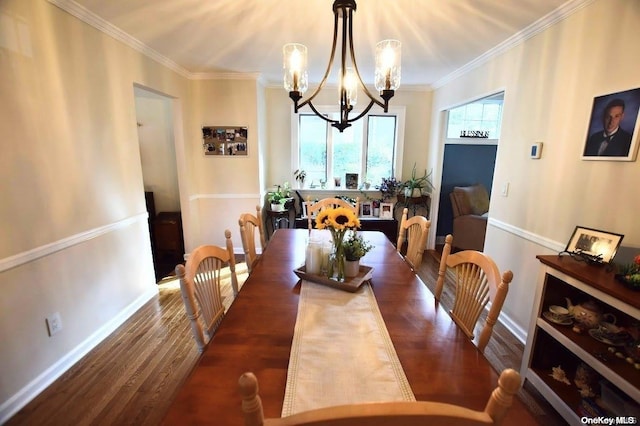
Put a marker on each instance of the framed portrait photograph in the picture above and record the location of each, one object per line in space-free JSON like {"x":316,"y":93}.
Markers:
{"x":225,"y":141}
{"x":386,"y":210}
{"x":598,"y":246}
{"x":614,"y":127}
{"x":351,"y":181}
{"x":366,"y":209}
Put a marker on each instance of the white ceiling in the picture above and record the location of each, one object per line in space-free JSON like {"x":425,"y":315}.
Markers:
{"x":233,"y":36}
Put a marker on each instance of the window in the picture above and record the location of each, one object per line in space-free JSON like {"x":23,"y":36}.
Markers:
{"x":484,"y":114}
{"x":371,"y":147}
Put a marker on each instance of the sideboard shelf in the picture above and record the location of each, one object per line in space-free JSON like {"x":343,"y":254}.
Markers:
{"x":551,"y":345}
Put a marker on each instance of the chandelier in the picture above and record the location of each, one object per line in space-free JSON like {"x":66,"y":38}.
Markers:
{"x":387,"y":73}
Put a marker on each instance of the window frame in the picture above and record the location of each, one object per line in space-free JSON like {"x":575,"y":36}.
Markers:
{"x":398,"y":111}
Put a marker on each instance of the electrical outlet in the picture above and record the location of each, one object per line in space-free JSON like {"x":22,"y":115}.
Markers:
{"x":54,"y":324}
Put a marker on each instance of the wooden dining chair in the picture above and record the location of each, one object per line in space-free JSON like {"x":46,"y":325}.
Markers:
{"x":313,"y":208}
{"x":248,"y":225}
{"x":414,"y":231}
{"x":386,"y":413}
{"x":200,"y":281}
{"x":477,"y":280}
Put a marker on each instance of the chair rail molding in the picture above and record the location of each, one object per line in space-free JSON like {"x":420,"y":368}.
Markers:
{"x":526,"y":235}
{"x":47,"y":249}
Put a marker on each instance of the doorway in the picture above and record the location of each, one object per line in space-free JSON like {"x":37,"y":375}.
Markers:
{"x":470,"y":147}
{"x":155,"y":118}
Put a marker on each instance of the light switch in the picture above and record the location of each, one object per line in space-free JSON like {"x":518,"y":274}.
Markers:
{"x":505,"y":189}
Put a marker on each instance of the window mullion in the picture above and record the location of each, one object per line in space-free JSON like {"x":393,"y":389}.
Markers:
{"x":365,"y":148}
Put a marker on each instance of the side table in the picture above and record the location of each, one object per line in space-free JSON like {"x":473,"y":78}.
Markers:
{"x":413,"y":204}
{"x":280,"y":219}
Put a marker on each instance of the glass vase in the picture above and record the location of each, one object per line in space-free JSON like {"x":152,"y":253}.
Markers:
{"x":337,"y":259}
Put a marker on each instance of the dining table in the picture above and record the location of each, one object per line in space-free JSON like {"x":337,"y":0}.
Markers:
{"x":440,"y":362}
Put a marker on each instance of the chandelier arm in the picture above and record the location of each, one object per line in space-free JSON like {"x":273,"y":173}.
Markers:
{"x":328,"y":70}
{"x":362,"y":114}
{"x":319,"y":114}
{"x":384,"y":105}
{"x":347,"y":15}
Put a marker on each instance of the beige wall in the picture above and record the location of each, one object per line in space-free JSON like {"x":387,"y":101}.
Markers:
{"x":72,"y":215}
{"x":157,"y":149}
{"x":550,"y":81}
{"x":224,"y":187}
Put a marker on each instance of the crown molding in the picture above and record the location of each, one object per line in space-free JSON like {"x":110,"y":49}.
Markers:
{"x":106,"y":27}
{"x":225,"y":76}
{"x":553,"y":17}
{"x":100,"y":24}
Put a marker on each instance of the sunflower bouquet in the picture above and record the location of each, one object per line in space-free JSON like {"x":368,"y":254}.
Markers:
{"x":338,"y":221}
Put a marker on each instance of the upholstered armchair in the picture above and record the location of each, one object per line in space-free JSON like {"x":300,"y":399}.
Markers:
{"x":470,"y":210}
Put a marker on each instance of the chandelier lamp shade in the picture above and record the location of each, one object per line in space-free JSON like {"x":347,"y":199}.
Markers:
{"x":387,"y":72}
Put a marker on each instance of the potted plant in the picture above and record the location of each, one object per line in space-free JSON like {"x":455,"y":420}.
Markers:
{"x":417,"y":186}
{"x":355,"y":247}
{"x":389,"y":188}
{"x":300,"y":175}
{"x":279,"y":197}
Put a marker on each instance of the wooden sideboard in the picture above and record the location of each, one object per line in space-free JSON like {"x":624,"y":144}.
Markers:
{"x":614,"y":382}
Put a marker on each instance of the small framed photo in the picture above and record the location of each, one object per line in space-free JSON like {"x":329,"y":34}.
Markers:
{"x":593,"y":244}
{"x":351,"y":181}
{"x":614,"y":127}
{"x":225,"y":141}
{"x":386,"y":210}
{"x":366,"y":209}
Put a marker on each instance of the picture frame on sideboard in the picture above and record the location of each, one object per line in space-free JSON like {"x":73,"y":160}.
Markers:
{"x":593,"y":244}
{"x":386,"y":210}
{"x":366,"y":209}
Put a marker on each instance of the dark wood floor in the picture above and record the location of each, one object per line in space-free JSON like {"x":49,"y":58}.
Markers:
{"x":132,"y":376}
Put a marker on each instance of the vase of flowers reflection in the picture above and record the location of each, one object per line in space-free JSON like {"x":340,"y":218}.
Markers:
{"x":338,"y":221}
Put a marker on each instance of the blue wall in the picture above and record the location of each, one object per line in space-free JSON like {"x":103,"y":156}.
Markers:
{"x":463,"y":165}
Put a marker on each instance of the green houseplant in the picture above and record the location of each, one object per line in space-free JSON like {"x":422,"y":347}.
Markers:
{"x":300,"y":176}
{"x":354,"y":247}
{"x":279,"y":197}
{"x":417,"y":186}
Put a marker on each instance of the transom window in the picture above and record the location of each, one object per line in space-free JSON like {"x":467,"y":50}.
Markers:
{"x":371,"y":147}
{"x":482,"y":115}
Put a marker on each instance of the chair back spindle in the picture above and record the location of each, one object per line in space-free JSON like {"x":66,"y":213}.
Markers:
{"x":200,"y":280}
{"x":477,"y":281}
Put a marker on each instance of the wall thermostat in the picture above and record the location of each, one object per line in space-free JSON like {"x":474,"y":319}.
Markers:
{"x":536,"y":150}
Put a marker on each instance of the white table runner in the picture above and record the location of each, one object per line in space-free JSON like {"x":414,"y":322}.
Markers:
{"x":341,"y":352}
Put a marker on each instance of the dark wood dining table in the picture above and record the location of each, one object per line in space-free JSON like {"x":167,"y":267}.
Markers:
{"x":440,"y":362}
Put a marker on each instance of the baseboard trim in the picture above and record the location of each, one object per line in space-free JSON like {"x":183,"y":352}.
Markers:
{"x":51,"y":374}
{"x":517,"y":331}
{"x":47,"y":249}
